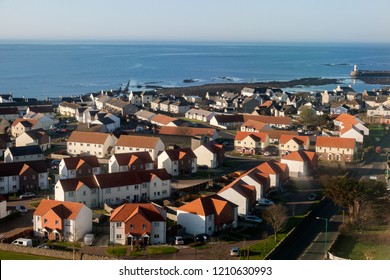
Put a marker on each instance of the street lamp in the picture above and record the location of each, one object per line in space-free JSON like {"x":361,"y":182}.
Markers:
{"x":326,"y":234}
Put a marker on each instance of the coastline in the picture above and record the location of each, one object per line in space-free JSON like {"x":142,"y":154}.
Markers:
{"x":201,"y":90}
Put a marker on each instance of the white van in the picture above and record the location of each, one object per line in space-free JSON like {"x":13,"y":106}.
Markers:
{"x":89,"y":238}
{"x":22,"y":242}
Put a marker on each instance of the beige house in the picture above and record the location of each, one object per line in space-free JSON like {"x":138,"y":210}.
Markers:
{"x":68,"y":109}
{"x":250,"y":142}
{"x":20,"y":126}
{"x":136,"y":143}
{"x":90,"y":143}
{"x":292,"y":143}
{"x":34,"y":137}
{"x":336,"y":148}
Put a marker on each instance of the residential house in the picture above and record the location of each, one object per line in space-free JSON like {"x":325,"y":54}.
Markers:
{"x":290,"y":143}
{"x":210,"y":154}
{"x":22,"y":154}
{"x":130,"y":161}
{"x":336,"y":149}
{"x":45,"y":121}
{"x":300,"y":163}
{"x":179,"y":106}
{"x":114,"y":188}
{"x":120,"y":108}
{"x":337,"y":109}
{"x":250,"y":142}
{"x":20,"y":177}
{"x":62,"y":221}
{"x":9,"y":113}
{"x":278,"y":172}
{"x":5,"y":142}
{"x":345,"y":120}
{"x":138,"y":224}
{"x":101,"y":101}
{"x":20,"y":125}
{"x":145,"y":115}
{"x":200,"y":115}
{"x":136,"y":143}
{"x":90,"y":143}
{"x":68,"y":109}
{"x":254,"y":126}
{"x":235,"y":121}
{"x":378,"y":111}
{"x":178,"y":161}
{"x":34,"y":137}
{"x":241,"y":194}
{"x":46,"y":110}
{"x":80,"y":166}
{"x":163,"y":120}
{"x":259,"y":180}
{"x":4,"y":126}
{"x":207,"y":215}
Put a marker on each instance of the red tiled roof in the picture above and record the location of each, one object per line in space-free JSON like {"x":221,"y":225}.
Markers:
{"x":88,"y":137}
{"x":137,"y":141}
{"x":74,"y":162}
{"x":300,"y":155}
{"x":255,"y":124}
{"x":259,"y":136}
{"x":64,"y":209}
{"x":206,"y":206}
{"x":192,"y":131}
{"x":162,"y":119}
{"x":335,"y":142}
{"x":276,"y":134}
{"x":178,"y":154}
{"x":301,"y":140}
{"x":128,"y":210}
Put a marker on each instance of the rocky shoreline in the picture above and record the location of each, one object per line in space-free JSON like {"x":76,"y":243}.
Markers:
{"x":221,"y":87}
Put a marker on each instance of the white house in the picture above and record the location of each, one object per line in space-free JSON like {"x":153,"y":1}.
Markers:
{"x":207,"y":215}
{"x":200,"y":115}
{"x":210,"y":154}
{"x":178,"y":161}
{"x":136,"y":143}
{"x":90,"y":143}
{"x":300,"y":162}
{"x":73,"y":167}
{"x":138,"y":224}
{"x":64,"y":221}
{"x":23,"y":153}
{"x":34,"y":137}
{"x":250,"y":142}
{"x":130,"y":161}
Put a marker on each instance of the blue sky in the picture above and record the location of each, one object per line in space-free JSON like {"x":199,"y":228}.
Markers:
{"x":196,"y":20}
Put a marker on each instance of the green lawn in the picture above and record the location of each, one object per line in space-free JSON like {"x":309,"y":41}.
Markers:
{"x":373,"y":244}
{"x":121,"y":251}
{"x":6,"y":255}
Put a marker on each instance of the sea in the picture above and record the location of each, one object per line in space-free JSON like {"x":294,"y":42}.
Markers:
{"x":43,"y":70}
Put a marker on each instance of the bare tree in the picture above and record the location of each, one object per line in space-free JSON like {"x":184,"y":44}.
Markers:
{"x":217,"y":250}
{"x":276,"y":216}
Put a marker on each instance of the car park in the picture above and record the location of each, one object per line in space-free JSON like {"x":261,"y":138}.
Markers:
{"x":235,"y":251}
{"x":27,"y":195}
{"x":265,"y":202}
{"x":21,"y":209}
{"x":253,"y":219}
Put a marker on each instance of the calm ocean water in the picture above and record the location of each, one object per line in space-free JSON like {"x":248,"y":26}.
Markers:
{"x":40,"y":70}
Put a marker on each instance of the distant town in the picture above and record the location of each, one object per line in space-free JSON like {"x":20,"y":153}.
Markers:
{"x":244,"y":174}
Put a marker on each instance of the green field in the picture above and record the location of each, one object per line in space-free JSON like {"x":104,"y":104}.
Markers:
{"x":7,"y":255}
{"x":373,"y":244}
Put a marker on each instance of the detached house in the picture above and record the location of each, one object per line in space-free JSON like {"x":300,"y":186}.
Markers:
{"x":20,"y":177}
{"x":200,"y":115}
{"x":62,"y":221}
{"x":278,"y":172}
{"x":256,"y":178}
{"x":336,"y":148}
{"x":34,"y":137}
{"x":130,"y":161}
{"x":250,"y":142}
{"x":90,"y":143}
{"x":345,"y":120}
{"x":20,"y":125}
{"x":138,"y":224}
{"x":135,"y":143}
{"x":291,"y":143}
{"x":241,"y":194}
{"x":79,"y":167}
{"x":210,"y":214}
{"x":300,"y":163}
{"x":178,"y":161}
{"x":210,"y":154}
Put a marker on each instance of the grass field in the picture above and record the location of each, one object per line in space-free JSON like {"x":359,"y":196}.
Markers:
{"x":372,"y":244}
{"x":7,"y":255}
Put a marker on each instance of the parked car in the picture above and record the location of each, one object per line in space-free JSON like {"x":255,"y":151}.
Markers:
{"x":203,"y":237}
{"x":253,"y":219}
{"x":235,"y":251}
{"x":27,"y":195}
{"x":21,"y":209}
{"x":45,"y":246}
{"x":265,"y":202}
{"x":312,"y":197}
{"x":267,"y":153}
{"x":89,"y":238}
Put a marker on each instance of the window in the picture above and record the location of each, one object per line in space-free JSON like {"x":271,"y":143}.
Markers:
{"x":136,"y":187}
{"x":119,"y":189}
{"x":119,"y":236}
{"x":45,"y":221}
{"x":2,"y":179}
{"x":131,"y":226}
{"x":118,"y":224}
{"x":84,"y":193}
{"x":143,"y":226}
{"x":156,"y":224}
{"x":56,"y":222}
{"x":156,"y":236}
